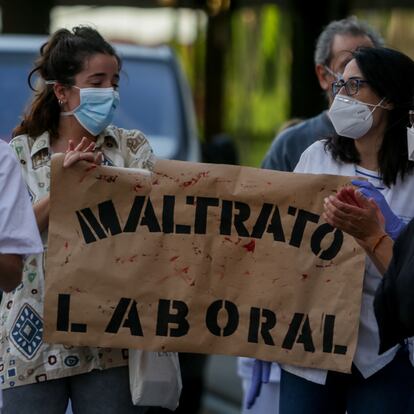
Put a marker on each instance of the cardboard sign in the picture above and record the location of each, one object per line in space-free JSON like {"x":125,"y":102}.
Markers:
{"x":201,"y":258}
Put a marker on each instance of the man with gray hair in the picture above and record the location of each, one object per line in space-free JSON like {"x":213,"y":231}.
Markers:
{"x":333,"y":51}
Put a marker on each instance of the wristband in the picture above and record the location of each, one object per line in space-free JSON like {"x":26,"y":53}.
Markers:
{"x":378,"y":242}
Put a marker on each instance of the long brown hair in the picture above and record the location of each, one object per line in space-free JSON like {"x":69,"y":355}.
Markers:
{"x":61,"y":58}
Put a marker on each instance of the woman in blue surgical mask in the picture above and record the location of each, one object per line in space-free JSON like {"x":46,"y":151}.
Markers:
{"x":370,"y":114}
{"x":71,"y":112}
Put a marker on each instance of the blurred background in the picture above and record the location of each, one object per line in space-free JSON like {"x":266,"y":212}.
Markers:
{"x":249,"y":62}
{"x":249,"y":66}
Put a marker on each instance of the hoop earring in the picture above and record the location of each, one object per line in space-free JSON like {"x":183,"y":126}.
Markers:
{"x":60,"y":102}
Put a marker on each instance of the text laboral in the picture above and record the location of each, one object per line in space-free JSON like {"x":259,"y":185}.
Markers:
{"x":199,"y":258}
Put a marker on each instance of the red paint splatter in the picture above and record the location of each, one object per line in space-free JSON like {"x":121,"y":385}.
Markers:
{"x":156,"y":182}
{"x":166,"y":176}
{"x":66,"y":244}
{"x":323,"y":266}
{"x":125,"y":259}
{"x":228,"y":239}
{"x":250,"y":246}
{"x":92,"y":167}
{"x":174,"y":258}
{"x":304,"y":276}
{"x":328,"y":280}
{"x":185,"y":269}
{"x":186,"y":279}
{"x":247,"y":273}
{"x":195,"y":179}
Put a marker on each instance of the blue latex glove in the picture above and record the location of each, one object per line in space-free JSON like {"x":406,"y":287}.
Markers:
{"x":393,"y":224}
{"x":260,"y":375}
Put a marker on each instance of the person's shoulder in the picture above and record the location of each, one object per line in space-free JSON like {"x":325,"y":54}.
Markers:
{"x":316,"y":159}
{"x":134,"y":146}
{"x":22,"y":146}
{"x":4,"y":147}
{"x":318,"y":148}
{"x":8,"y":160}
{"x":293,"y":132}
{"x":131,"y":138}
{"x":20,"y":141}
{"x":5,"y":152}
{"x":288,"y":146}
{"x":305,"y":132}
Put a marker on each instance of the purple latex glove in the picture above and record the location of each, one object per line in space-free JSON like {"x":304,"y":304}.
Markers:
{"x":393,"y":224}
{"x":260,"y":374}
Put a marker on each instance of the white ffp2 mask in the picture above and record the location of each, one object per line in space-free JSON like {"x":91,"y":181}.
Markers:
{"x":351,"y":118}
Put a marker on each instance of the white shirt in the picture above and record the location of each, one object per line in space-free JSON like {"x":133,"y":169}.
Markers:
{"x":18,"y":230}
{"x":315,"y":160}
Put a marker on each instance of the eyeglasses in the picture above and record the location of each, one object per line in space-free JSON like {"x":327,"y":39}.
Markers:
{"x":352,"y":86}
{"x":336,"y":75}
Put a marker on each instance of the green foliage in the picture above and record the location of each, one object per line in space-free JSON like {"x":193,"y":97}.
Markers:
{"x":257,"y":78}
{"x":257,"y":86}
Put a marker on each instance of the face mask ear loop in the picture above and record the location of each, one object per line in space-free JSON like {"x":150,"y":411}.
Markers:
{"x":375,"y":107}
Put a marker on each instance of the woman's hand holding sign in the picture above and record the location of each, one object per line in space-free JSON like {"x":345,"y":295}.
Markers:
{"x":83,"y":151}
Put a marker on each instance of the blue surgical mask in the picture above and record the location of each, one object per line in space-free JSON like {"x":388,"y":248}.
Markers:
{"x":96,"y":109}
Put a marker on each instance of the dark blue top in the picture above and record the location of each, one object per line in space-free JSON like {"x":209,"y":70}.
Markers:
{"x":289,"y":145}
{"x":394,"y":299}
